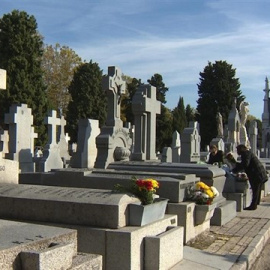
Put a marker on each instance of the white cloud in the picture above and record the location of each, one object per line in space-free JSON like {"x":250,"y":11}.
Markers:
{"x":175,"y":38}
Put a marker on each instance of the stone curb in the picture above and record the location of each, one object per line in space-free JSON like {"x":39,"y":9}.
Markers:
{"x":249,"y":256}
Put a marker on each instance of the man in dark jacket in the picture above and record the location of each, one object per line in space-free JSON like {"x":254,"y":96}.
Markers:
{"x":255,"y":171}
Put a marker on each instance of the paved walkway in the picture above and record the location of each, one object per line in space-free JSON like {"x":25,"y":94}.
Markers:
{"x":235,"y":245}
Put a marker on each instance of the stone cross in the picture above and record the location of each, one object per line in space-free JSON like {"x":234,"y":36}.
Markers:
{"x":67,"y":137}
{"x":114,"y":85}
{"x":52,"y":121}
{"x":51,"y":158}
{"x":20,"y":121}
{"x":62,"y":140}
{"x":62,"y":128}
{"x":3,"y":79}
{"x":145,"y":107}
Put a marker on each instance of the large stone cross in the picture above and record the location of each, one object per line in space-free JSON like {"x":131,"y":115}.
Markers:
{"x":62,"y":128}
{"x":52,"y":121}
{"x":114,"y":85}
{"x":145,"y":107}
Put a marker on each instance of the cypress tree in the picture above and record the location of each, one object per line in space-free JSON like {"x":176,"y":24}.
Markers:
{"x":217,"y":90}
{"x":179,"y":117}
{"x":88,"y":99}
{"x":20,"y":54}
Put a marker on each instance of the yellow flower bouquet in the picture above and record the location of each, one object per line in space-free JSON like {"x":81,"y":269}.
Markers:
{"x":143,"y":189}
{"x":202,"y":193}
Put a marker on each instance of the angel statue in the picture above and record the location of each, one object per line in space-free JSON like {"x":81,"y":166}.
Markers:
{"x":244,"y":110}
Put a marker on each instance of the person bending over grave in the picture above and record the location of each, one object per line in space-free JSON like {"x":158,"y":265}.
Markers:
{"x":216,"y":156}
{"x":230,"y":161}
{"x":255,"y":171}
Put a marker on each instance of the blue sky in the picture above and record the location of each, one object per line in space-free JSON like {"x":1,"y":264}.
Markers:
{"x":175,"y":38}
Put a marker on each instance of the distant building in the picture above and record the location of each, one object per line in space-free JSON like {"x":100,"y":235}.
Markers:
{"x":265,"y":121}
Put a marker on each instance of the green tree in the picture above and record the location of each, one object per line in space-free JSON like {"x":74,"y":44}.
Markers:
{"x":179,"y":117}
{"x":164,"y":120}
{"x":157,"y":81}
{"x":164,"y":129}
{"x":126,"y":103}
{"x":20,"y":54}
{"x":88,"y":99}
{"x":217,"y":90}
{"x":190,"y":114}
{"x":58,"y":64}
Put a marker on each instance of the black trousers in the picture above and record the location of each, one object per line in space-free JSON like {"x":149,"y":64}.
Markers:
{"x":256,"y":193}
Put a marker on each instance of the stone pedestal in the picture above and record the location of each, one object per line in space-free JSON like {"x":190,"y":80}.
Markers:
{"x":204,"y":213}
{"x":140,"y":215}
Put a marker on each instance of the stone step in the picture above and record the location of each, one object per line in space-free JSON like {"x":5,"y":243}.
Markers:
{"x":56,"y":256}
{"x":84,"y":261}
{"x":224,"y":213}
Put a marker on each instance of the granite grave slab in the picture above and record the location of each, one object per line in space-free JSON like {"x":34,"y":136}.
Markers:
{"x":100,"y":208}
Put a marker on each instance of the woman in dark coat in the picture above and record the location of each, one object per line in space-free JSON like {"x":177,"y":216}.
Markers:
{"x":215,"y":156}
{"x":255,"y":171}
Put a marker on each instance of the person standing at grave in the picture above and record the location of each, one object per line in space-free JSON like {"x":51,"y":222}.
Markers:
{"x":255,"y":171}
{"x":215,"y":156}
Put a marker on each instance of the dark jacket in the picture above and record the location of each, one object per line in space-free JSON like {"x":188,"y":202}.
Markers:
{"x":252,"y":167}
{"x":218,"y":157}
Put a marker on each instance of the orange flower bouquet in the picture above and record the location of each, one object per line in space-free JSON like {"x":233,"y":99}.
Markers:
{"x":143,"y":189}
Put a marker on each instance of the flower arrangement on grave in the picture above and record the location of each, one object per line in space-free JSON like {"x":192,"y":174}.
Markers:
{"x":202,"y":193}
{"x":143,"y":189}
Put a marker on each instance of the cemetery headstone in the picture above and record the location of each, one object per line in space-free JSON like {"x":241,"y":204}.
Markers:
{"x":115,"y":87}
{"x":219,"y":143}
{"x":21,"y":136}
{"x":253,"y":134}
{"x":191,"y":141}
{"x":113,"y":142}
{"x":176,"y":147}
{"x":145,"y":107}
{"x":233,"y":138}
{"x":166,"y":154}
{"x":62,"y":141}
{"x":86,"y":149}
{"x":9,"y":169}
{"x":51,"y":158}
{"x":4,"y":138}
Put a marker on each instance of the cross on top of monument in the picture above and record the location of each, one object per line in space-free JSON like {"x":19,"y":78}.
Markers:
{"x":115,"y":80}
{"x":146,"y":96}
{"x":52,"y":121}
{"x":62,"y":129}
{"x":115,"y":86}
